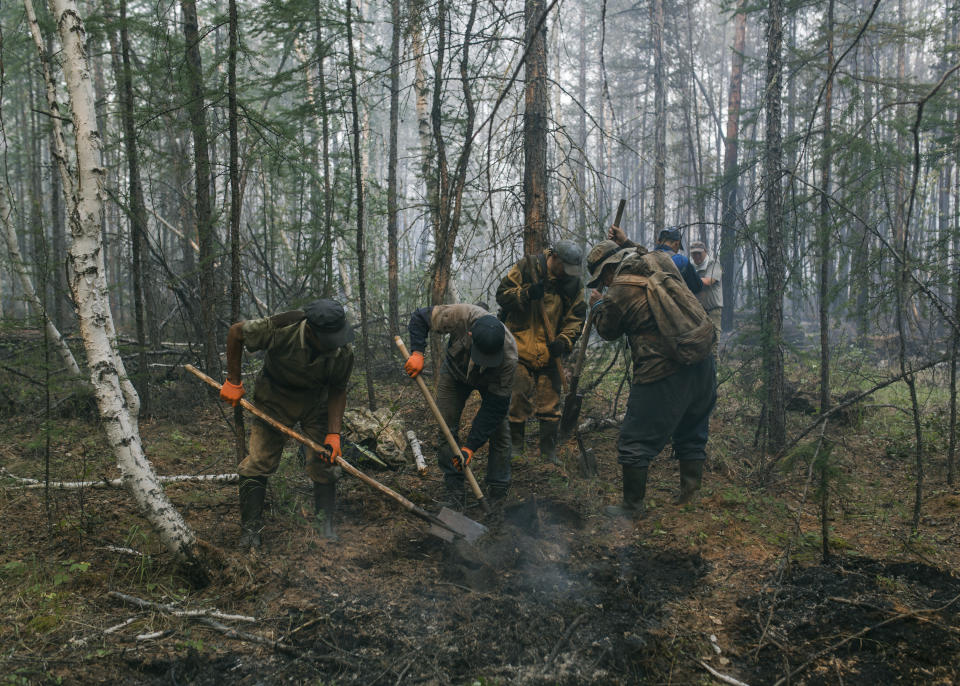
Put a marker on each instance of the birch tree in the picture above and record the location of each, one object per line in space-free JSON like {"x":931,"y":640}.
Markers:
{"x":116,"y":399}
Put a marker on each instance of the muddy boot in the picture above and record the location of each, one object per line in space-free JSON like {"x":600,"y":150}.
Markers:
{"x":634,"y":490}
{"x":516,"y":439}
{"x":253,"y":491}
{"x":691,"y":474}
{"x":496,"y":494}
{"x":548,"y":441}
{"x":453,"y":497}
{"x":324,"y":506}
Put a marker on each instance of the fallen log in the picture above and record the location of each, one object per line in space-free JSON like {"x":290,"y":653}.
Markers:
{"x":417,"y":453}
{"x":118,"y":483}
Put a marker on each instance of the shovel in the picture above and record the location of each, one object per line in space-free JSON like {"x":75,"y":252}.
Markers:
{"x":451,"y":441}
{"x":443,"y":526}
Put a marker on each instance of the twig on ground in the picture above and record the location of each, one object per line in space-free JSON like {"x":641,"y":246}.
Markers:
{"x":154,"y":635}
{"x":171,"y":610}
{"x":276,"y":645}
{"x":565,"y":637}
{"x":30,"y":484}
{"x":722,"y":677}
{"x":120,"y":551}
{"x":113,"y":629}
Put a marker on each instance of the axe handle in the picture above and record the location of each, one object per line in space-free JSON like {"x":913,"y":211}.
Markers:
{"x":349,"y":468}
{"x":451,"y":441}
{"x":620,"y":207}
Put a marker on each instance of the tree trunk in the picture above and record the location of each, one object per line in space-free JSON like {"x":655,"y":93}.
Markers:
{"x":773,"y":211}
{"x":89,"y":286}
{"x":823,"y":233}
{"x":361,"y":246}
{"x":660,"y":120}
{"x":393,"y":309}
{"x":535,"y":218}
{"x":201,"y":161}
{"x":235,"y":282}
{"x":728,"y":194}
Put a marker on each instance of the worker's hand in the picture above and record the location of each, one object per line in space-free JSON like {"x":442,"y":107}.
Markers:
{"x":535,"y":291}
{"x":595,"y":295}
{"x":232,"y":392}
{"x":559,"y":347}
{"x":463,"y":459}
{"x":617,"y":235}
{"x":414,"y":364}
{"x":332,"y":441}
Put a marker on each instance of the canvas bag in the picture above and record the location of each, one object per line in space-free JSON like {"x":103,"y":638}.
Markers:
{"x":681,"y":320}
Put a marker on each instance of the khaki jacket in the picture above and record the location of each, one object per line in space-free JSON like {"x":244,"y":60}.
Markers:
{"x":457,"y":320}
{"x":562,"y":301}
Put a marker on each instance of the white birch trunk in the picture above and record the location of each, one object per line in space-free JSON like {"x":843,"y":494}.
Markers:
{"x":117,"y":405}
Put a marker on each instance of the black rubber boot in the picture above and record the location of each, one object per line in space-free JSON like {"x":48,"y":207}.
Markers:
{"x":517,"y":448}
{"x":549,"y":431}
{"x":634,"y":491}
{"x":453,"y":496}
{"x":691,"y":475}
{"x":324,"y":506}
{"x":253,"y":491}
{"x":496,"y":494}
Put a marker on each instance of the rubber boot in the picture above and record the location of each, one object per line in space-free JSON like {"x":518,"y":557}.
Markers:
{"x":453,"y":495}
{"x":496,"y":494}
{"x":516,"y":439}
{"x":253,"y":491}
{"x":324,"y":506}
{"x":634,"y":491}
{"x":549,"y":432}
{"x":691,"y":475}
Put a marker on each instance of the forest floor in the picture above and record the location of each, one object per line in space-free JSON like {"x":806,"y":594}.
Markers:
{"x":554,"y":593}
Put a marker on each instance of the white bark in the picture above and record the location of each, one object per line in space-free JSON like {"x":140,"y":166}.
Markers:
{"x":116,"y":399}
{"x":16,"y":259}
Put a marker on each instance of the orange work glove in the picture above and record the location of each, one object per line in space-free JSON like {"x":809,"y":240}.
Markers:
{"x":414,"y":364}
{"x":332,"y":441}
{"x":232,"y":392}
{"x":465,"y":455}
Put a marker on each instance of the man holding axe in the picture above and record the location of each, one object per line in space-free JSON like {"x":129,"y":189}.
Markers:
{"x":481,"y":355}
{"x":304,"y":379}
{"x":543,"y":307}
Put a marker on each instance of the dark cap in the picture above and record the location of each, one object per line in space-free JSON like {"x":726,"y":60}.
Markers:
{"x":486,"y":349}
{"x":600,"y":255}
{"x":329,"y":323}
{"x":671,"y":233}
{"x":571,"y":255}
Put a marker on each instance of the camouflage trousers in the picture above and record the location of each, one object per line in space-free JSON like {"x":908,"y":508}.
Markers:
{"x":536,"y":392}
{"x":266,"y":442}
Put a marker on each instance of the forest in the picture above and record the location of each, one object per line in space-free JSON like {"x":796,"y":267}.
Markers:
{"x":169,"y":169}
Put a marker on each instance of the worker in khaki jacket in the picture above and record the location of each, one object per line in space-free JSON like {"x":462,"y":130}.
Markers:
{"x":481,"y":355}
{"x":304,"y":379}
{"x":541,"y":301}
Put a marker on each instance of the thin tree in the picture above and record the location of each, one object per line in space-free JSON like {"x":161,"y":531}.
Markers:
{"x":235,"y":283}
{"x":659,"y":120}
{"x":536,"y":105}
{"x":393,"y":308}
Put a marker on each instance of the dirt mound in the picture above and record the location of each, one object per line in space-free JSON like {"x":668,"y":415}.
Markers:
{"x":913,"y":632}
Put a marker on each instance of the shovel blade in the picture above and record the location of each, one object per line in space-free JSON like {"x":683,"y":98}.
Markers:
{"x":463,"y":525}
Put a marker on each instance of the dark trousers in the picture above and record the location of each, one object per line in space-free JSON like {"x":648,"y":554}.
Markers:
{"x":451,"y":397}
{"x":676,"y":408}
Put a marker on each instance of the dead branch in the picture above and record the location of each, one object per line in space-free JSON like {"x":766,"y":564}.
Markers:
{"x":722,"y":677}
{"x":172,"y":610}
{"x":118,"y":483}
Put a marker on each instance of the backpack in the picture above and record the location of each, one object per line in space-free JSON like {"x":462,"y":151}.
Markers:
{"x":681,"y":320}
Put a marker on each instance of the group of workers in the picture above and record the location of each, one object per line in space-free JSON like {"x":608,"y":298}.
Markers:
{"x":513,"y":359}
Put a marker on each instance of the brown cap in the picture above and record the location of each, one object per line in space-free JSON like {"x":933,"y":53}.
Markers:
{"x":600,"y":255}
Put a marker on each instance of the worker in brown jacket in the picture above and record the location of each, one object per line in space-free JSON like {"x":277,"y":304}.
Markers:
{"x":304,"y":379}
{"x":541,"y":301}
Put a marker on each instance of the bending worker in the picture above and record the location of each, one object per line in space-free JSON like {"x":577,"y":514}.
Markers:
{"x":304,"y":379}
{"x":481,"y":355}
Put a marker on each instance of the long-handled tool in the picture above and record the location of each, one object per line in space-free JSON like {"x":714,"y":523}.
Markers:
{"x":574,"y":400}
{"x":445,"y":527}
{"x":451,"y":441}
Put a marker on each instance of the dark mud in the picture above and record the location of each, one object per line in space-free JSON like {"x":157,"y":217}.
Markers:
{"x":820,"y":606}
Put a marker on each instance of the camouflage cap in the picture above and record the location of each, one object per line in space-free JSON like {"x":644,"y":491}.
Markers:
{"x":600,"y":255}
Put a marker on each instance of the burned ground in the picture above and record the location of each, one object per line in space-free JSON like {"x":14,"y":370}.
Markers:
{"x":554,"y":593}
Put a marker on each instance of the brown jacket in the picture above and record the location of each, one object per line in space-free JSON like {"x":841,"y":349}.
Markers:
{"x":623,"y":310}
{"x":562,"y":301}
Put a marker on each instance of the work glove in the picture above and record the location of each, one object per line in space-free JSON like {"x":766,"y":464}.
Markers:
{"x":535,"y":291}
{"x":463,"y":459}
{"x":559,"y":347}
{"x":414,"y":364}
{"x":332,"y":441}
{"x":232,"y":392}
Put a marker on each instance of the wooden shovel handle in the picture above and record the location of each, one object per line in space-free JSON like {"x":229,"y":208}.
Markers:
{"x":347,"y":467}
{"x":451,"y":441}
